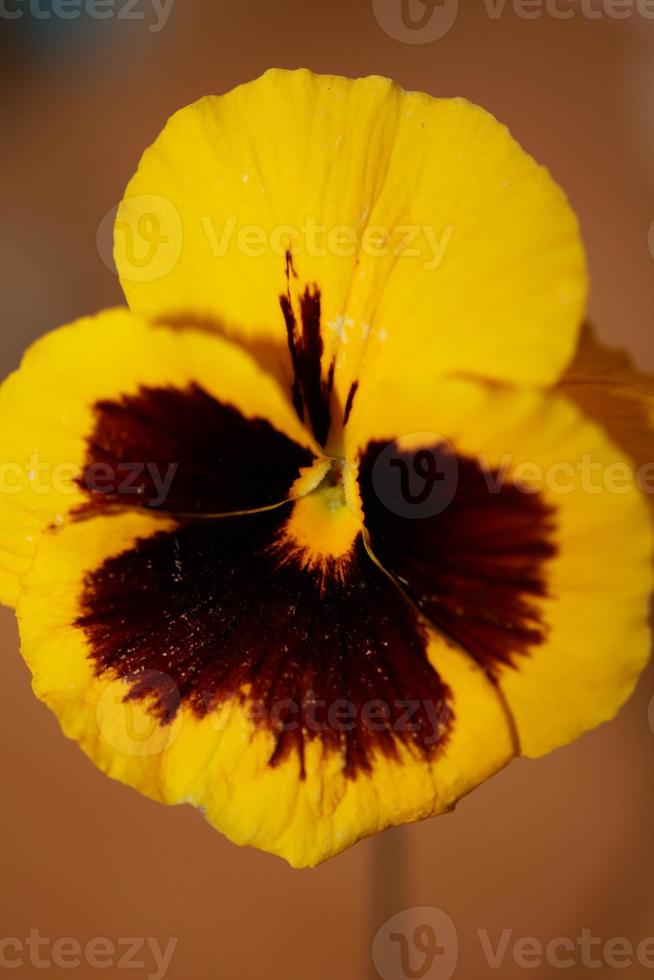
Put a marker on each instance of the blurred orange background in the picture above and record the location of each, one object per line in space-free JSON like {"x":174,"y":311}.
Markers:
{"x":546,"y":848}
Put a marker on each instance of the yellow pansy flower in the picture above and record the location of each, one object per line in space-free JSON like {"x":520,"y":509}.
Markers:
{"x":333,"y":522}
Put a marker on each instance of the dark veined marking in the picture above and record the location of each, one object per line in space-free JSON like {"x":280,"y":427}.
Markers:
{"x":311,"y":393}
{"x":476,"y":566}
{"x":182,"y":450}
{"x":349,"y":401}
{"x":338,"y":655}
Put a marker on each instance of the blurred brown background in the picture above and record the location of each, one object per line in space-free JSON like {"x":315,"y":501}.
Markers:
{"x":546,"y":848}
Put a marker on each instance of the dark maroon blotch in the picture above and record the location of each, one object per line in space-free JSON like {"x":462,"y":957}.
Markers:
{"x":310,"y":392}
{"x":188,"y":617}
{"x":477,"y":566}
{"x":349,"y":402}
{"x":182,"y":450}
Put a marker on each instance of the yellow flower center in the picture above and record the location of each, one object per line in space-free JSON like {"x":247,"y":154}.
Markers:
{"x":323,"y":526}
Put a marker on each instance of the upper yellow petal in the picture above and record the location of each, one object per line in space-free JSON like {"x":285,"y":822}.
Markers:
{"x":430,"y":234}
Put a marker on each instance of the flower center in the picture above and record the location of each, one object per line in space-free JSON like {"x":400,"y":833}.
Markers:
{"x":332,"y":486}
{"x":322,"y":526}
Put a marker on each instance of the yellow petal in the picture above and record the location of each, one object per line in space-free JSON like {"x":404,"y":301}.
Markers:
{"x":175,"y":665}
{"x":111,"y":411}
{"x":428,"y":232}
{"x":518,"y":528}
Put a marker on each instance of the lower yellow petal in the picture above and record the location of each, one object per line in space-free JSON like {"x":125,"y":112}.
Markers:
{"x":303,"y":794}
{"x":532,"y":548}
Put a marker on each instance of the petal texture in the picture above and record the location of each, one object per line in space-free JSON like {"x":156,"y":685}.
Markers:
{"x":605,"y":383}
{"x":428,"y":232}
{"x":299,"y":708}
{"x":113,"y":412}
{"x":531,"y":549}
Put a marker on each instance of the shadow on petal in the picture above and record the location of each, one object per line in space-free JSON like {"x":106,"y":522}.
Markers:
{"x":606,"y":385}
{"x":271,"y":356}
